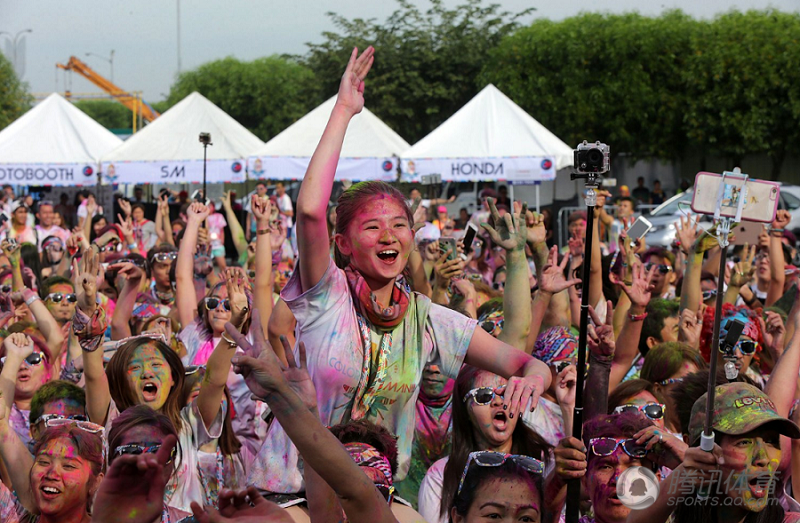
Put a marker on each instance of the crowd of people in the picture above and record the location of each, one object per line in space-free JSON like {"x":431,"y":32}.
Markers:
{"x":359,"y":361}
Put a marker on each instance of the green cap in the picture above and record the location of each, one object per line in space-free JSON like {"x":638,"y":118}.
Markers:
{"x":738,"y":409}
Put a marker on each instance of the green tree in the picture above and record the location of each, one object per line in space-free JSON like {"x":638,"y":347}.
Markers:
{"x":743,"y":86}
{"x":613,"y":78}
{"x":265,"y":95}
{"x":108,"y":113}
{"x":426,"y":63}
{"x":14,"y":98}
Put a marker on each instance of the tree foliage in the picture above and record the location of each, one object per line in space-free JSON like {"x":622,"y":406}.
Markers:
{"x":265,"y":95}
{"x":108,"y":113}
{"x":426,"y":63}
{"x":14,"y":98}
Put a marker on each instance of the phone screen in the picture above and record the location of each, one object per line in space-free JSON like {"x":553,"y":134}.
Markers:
{"x":638,"y":229}
{"x":448,"y":244}
{"x":469,"y":237}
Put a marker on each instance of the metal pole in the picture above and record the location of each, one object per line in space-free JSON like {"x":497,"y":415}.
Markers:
{"x":205,"y":194}
{"x":178,"y":33}
{"x":574,"y":485}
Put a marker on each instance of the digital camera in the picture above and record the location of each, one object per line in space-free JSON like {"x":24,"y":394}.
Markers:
{"x":592,"y":158}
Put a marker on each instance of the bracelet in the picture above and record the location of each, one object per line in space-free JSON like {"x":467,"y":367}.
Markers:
{"x":31,"y":299}
{"x":262,"y":232}
{"x":776,"y":230}
{"x":132,"y":246}
{"x":637,"y":317}
{"x":228,"y":340}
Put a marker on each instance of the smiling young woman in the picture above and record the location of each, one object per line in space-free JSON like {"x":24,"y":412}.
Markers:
{"x":369,"y":337}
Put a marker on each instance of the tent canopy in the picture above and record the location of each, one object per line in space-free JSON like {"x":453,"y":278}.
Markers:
{"x":491,"y":137}
{"x":168,"y":150}
{"x":367,"y":153}
{"x":54,"y":143}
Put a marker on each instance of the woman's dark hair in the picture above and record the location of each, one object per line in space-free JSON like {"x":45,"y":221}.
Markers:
{"x":202,"y":311}
{"x":95,"y":219}
{"x":629,"y":389}
{"x":135,"y":416}
{"x":667,"y":359}
{"x":121,"y":391}
{"x":353,"y":200}
{"x":229,"y":443}
{"x":88,"y":444}
{"x":158,"y":249}
{"x":478,"y":476}
{"x":29,"y":253}
{"x":362,"y":431}
{"x":525,"y":440}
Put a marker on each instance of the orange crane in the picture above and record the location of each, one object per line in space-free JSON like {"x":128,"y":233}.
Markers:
{"x":135,"y":104}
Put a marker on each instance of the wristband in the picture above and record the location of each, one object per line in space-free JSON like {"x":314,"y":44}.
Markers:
{"x":228,"y":340}
{"x":637,"y":317}
{"x":132,"y":246}
{"x":262,"y":232}
{"x":32,"y":298}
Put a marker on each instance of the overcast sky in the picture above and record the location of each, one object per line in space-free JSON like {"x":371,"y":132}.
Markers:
{"x":143,"y":32}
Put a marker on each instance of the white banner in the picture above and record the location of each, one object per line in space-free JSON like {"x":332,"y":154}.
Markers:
{"x":293,"y":168}
{"x":186,"y":171}
{"x":57,"y":174}
{"x":516,"y":169}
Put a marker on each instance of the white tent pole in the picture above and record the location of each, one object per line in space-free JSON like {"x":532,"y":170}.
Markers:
{"x":538,"y":184}
{"x":511,"y":194}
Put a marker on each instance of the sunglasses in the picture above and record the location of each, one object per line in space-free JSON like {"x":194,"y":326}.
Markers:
{"x":136,"y":262}
{"x":213,"y":303}
{"x":608,"y":446}
{"x":487,"y":458}
{"x":164,"y":257}
{"x":87,"y":426}
{"x":135,"y":450}
{"x":654,"y":411}
{"x":33,"y":359}
{"x":746,"y":347}
{"x":669,"y":381}
{"x":56,"y":297}
{"x":662,"y":268}
{"x":54,"y":246}
{"x":481,"y":395}
{"x":707,"y":295}
{"x":48,"y":417}
{"x":5,"y":289}
{"x":112,"y":247}
{"x":251,"y":274}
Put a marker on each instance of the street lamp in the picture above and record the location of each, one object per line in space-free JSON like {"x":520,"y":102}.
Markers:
{"x":20,"y":69}
{"x":110,"y":60}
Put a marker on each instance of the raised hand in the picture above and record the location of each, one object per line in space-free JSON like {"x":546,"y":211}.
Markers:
{"x":537,"y":233}
{"x":351,"y":88}
{"x":18,"y":345}
{"x":12,"y":250}
{"x":85,"y":277}
{"x":664,"y":448}
{"x":689,"y":327}
{"x":510,"y":231}
{"x":124,"y":205}
{"x":576,"y":246}
{"x":133,"y":488}
{"x":130,"y":272}
{"x":600,"y":339}
{"x":565,"y":389}
{"x":197,"y":213}
{"x":552,"y":279}
{"x":686,"y":231}
{"x":570,"y":458}
{"x":641,"y":284}
{"x":163,"y":205}
{"x":261,"y":208}
{"x":237,"y":284}
{"x":774,"y":332}
{"x":782,"y":219}
{"x":259,"y":366}
{"x":708,"y":240}
{"x":91,"y":206}
{"x":744,"y":269}
{"x":244,"y":506}
{"x":226,"y":199}
{"x":445,"y":270}
{"x":297,"y":376}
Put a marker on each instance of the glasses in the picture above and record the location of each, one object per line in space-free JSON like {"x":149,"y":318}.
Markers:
{"x":560,"y":364}
{"x":87,"y":426}
{"x":251,"y":274}
{"x":662,"y":268}
{"x":135,"y":450}
{"x":56,"y":297}
{"x":746,"y":347}
{"x":46,"y":202}
{"x":136,"y":262}
{"x":213,"y":303}
{"x":487,"y":458}
{"x":387,"y":491}
{"x":654,"y":411}
{"x":56,"y":246}
{"x":193,"y":369}
{"x":481,"y":395}
{"x":165,"y":257}
{"x":5,"y":289}
{"x":48,"y":417}
{"x":669,"y":381}
{"x":707,"y":295}
{"x":112,"y":247}
{"x":32,"y":360}
{"x":608,"y":446}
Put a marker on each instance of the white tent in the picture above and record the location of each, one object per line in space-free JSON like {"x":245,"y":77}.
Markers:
{"x":168,"y":149}
{"x":490,"y":138}
{"x":55,"y":143}
{"x":369,"y":151}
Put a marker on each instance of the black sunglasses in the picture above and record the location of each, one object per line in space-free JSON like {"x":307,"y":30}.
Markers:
{"x":213,"y":303}
{"x":654,"y":411}
{"x":662,"y":268}
{"x":33,"y":359}
{"x":56,"y":297}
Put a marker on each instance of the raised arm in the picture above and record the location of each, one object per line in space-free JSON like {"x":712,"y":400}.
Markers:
{"x":551,"y":283}
{"x":687,"y":232}
{"x":601,"y":344}
{"x":262,"y":294}
{"x":237,"y":233}
{"x":12,"y":251}
{"x":595,"y":286}
{"x":45,"y":322}
{"x":782,"y":385}
{"x":123,"y":312}
{"x":219,"y":363}
{"x":279,"y":386}
{"x":315,"y":192}
{"x":185,"y":295}
{"x":510,"y":232}
{"x":777,"y":262}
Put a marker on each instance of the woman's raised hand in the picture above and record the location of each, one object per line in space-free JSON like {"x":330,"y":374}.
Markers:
{"x":261,"y":208}
{"x":236,"y":282}
{"x":18,"y":345}
{"x":552,"y":278}
{"x":511,"y":231}
{"x":351,"y":88}
{"x":86,"y":274}
{"x":197,"y":212}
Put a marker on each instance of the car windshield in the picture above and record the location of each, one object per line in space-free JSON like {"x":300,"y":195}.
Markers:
{"x":674,"y":204}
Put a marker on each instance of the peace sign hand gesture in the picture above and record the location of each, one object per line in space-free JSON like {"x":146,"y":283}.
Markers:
{"x":510,"y":232}
{"x":351,"y":88}
{"x":552,"y":279}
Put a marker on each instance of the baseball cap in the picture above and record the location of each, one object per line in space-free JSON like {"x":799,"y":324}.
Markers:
{"x":738,"y":409}
{"x":16,"y":204}
{"x":441,"y":208}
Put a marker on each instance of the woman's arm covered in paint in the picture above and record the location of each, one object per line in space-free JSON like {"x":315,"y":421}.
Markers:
{"x":627,"y":344}
{"x":601,"y":344}
{"x":126,"y":301}
{"x":782,"y":384}
{"x":237,"y":233}
{"x":262,"y":291}
{"x":185,"y":296}
{"x":15,"y":455}
{"x":315,"y":191}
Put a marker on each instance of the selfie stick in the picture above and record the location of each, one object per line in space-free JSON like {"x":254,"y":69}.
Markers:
{"x":205,"y":139}
{"x":590,"y":197}
{"x":724,"y":224}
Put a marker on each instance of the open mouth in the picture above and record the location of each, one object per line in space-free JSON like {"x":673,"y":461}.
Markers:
{"x":150,"y":391}
{"x":388,"y":256}
{"x":49,"y":492}
{"x":758,"y":486}
{"x":500,"y":420}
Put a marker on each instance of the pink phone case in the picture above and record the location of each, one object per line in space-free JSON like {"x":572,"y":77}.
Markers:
{"x":760,"y":206}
